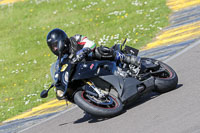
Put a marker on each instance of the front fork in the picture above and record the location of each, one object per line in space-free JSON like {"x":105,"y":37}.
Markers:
{"x":91,"y":89}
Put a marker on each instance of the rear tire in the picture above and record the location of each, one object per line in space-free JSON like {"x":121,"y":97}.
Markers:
{"x":167,"y":82}
{"x":82,"y":100}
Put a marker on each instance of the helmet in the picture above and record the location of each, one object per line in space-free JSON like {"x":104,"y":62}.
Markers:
{"x":58,"y":41}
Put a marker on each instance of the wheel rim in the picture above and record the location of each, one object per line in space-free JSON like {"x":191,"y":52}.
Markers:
{"x":106,"y":103}
{"x":166,"y":74}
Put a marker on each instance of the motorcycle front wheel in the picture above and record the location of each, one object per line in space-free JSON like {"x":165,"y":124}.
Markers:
{"x":108,"y":106}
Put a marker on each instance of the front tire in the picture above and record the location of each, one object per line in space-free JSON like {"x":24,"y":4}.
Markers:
{"x":83,"y":100}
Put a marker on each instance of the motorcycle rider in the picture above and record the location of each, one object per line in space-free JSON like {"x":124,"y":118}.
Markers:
{"x":79,"y":47}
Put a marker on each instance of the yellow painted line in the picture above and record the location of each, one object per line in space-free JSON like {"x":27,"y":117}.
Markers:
{"x":173,"y":2}
{"x":169,"y":41}
{"x":173,"y":40}
{"x":181,"y":4}
{"x":182,"y":33}
{"x":46,"y":108}
{"x":180,"y":30}
{"x":9,"y":1}
{"x":176,"y":35}
{"x":194,"y":27}
{"x":184,"y":27}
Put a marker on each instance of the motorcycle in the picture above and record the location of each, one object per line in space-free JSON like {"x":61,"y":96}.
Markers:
{"x":102,"y":87}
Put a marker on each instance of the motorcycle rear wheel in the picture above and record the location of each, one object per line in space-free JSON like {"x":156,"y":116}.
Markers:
{"x":167,"y":81}
{"x":100,"y":108}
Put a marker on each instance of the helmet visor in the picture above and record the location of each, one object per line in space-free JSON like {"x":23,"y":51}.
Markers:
{"x":54,"y":47}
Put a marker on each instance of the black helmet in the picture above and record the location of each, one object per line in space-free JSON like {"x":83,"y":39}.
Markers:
{"x":57,"y":40}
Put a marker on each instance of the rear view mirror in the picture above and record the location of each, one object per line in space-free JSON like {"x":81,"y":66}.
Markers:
{"x":44,"y":94}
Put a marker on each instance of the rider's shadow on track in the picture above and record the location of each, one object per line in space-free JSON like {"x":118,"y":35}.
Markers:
{"x":93,"y":119}
{"x":86,"y":118}
{"x":90,"y":119}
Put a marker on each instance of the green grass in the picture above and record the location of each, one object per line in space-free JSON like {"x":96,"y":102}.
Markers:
{"x":25,"y":58}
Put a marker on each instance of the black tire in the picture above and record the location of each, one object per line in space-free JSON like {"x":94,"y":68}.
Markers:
{"x":80,"y":98}
{"x":168,"y":82}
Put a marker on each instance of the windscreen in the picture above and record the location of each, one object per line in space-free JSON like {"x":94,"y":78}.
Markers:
{"x":54,"y":69}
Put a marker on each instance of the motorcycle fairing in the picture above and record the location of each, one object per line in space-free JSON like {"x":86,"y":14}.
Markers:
{"x":116,"y":81}
{"x":86,"y":70}
{"x":127,"y":88}
{"x":130,"y":89}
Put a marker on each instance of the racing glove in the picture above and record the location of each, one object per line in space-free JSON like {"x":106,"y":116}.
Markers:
{"x":81,"y":54}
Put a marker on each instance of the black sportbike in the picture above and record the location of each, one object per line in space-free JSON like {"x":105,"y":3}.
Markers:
{"x":103,"y":88}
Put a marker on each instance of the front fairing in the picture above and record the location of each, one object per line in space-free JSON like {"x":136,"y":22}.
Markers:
{"x":66,"y":72}
{"x":70,"y":74}
{"x":83,"y":70}
{"x":56,"y":72}
{"x":86,"y":70}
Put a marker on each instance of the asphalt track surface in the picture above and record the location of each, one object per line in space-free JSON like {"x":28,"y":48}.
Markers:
{"x":177,"y":111}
